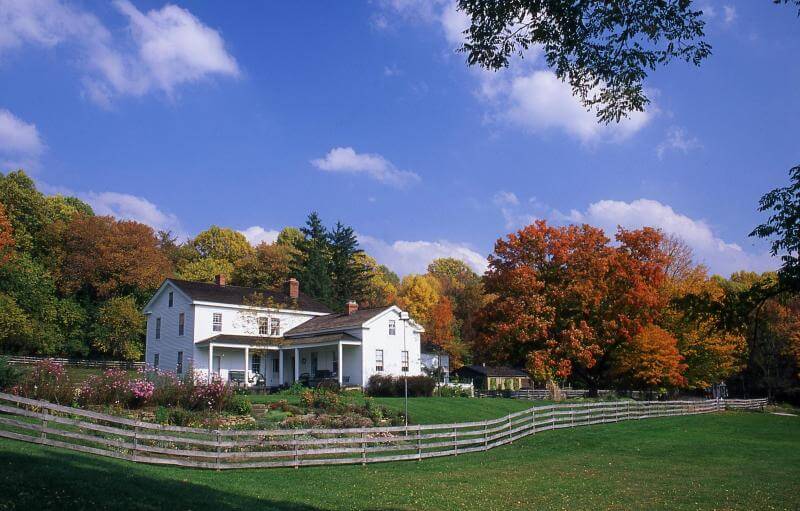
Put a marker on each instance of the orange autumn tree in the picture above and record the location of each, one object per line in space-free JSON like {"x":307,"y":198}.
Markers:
{"x":650,"y":360}
{"x":565,"y":298}
{"x":442,"y":331}
{"x":6,"y":236}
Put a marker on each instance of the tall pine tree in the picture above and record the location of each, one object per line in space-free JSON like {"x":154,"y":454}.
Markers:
{"x":313,"y":267}
{"x":350,"y":277}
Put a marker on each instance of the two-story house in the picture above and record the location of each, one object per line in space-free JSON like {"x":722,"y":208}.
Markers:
{"x":216,"y":329}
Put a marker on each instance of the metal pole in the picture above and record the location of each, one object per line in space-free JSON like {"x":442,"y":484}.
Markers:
{"x":405,"y":373}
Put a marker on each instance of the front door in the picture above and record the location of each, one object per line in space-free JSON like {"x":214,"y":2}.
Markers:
{"x":217,"y":364}
{"x":313,"y":365}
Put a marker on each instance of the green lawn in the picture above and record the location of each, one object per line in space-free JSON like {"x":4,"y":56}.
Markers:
{"x":722,"y":461}
{"x":430,"y":410}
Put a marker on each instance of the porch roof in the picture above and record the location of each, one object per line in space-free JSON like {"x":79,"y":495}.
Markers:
{"x":253,"y":341}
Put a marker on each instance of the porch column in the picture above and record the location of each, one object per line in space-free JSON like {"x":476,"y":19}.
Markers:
{"x":246,"y":366}
{"x":339,"y":367}
{"x":280,"y":367}
{"x":210,"y":361}
{"x":296,"y":364}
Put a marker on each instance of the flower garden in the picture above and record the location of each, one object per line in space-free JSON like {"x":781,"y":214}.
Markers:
{"x":162,"y":397}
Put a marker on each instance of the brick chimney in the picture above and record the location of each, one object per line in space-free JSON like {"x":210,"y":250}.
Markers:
{"x":220,"y":280}
{"x":293,"y":287}
{"x":352,"y":306}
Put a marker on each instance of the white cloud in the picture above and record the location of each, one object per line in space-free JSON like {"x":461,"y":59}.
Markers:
{"x":131,"y":207}
{"x":679,"y":140}
{"x":163,"y":49}
{"x":406,"y":257}
{"x":18,"y":137}
{"x":454,"y":23}
{"x":256,"y":234}
{"x":540,"y":101}
{"x":720,"y":256}
{"x":347,"y":160}
{"x":729,"y":14}
{"x":392,"y":70}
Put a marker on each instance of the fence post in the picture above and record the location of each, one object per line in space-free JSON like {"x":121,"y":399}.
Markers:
{"x":219,"y":446}
{"x":363,"y":448}
{"x":135,"y":441}
{"x":533,"y":420}
{"x":419,"y":443}
{"x":296,"y":455}
{"x":44,"y":424}
{"x":509,"y":430}
{"x":485,"y":436}
{"x":455,"y":440}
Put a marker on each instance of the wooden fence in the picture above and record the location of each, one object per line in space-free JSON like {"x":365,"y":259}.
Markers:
{"x":78,"y":362}
{"x":105,"y":435}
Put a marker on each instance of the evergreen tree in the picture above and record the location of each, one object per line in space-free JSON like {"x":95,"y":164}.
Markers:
{"x":350,"y":277}
{"x":314,"y":270}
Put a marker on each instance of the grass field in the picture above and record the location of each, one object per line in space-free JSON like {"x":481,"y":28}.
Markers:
{"x":431,"y":410}
{"x":722,"y":461}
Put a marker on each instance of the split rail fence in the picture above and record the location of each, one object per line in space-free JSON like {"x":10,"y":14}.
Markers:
{"x":46,"y":423}
{"x":78,"y":362}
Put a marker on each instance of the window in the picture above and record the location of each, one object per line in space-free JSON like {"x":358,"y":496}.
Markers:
{"x":275,"y":326}
{"x":179,"y":365}
{"x":181,"y":323}
{"x":392,"y":328}
{"x":276,"y":365}
{"x":171,"y":298}
{"x":379,"y":360}
{"x":158,"y":328}
{"x":263,"y":326}
{"x":404,"y":361}
{"x":155,"y":361}
{"x":217,"y":322}
{"x":255,"y":364}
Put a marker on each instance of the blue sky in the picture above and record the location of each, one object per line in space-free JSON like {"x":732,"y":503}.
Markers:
{"x":250,"y":115}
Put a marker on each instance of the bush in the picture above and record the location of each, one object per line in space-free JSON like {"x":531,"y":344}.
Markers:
{"x":210,"y":396}
{"x":112,"y":387}
{"x":239,"y":405}
{"x":452,"y":391}
{"x":47,"y":381}
{"x":392,"y":386}
{"x":10,"y":375}
{"x":329,"y":384}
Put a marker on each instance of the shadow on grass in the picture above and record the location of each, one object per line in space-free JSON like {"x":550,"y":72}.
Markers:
{"x":66,"y":481}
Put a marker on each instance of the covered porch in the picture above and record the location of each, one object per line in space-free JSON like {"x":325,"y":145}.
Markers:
{"x":274,"y":362}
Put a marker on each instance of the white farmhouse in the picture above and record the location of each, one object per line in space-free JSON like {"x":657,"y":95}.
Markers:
{"x":241,"y":333}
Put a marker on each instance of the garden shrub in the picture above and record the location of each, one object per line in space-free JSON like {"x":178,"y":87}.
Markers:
{"x":392,"y":386}
{"x":452,"y":391}
{"x":210,"y":396}
{"x":380,"y":385}
{"x":239,"y":405}
{"x":419,"y":386}
{"x":329,"y":384}
{"x":10,"y":375}
{"x":48,"y":381}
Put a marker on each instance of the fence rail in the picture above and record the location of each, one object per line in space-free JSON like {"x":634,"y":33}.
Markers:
{"x":46,"y":423}
{"x":78,"y":362}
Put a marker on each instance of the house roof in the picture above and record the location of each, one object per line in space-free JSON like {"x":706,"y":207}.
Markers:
{"x":500,"y":371}
{"x":340,"y":321}
{"x":275,"y":342}
{"x":236,"y":295}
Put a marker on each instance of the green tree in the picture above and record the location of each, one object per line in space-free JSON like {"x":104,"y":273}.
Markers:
{"x":349,"y":275}
{"x":222,"y":243}
{"x":382,"y":283}
{"x":603,"y":49}
{"x":26,"y":208}
{"x":783,"y":227}
{"x":119,"y":329}
{"x":205,"y":269}
{"x":313,"y":267}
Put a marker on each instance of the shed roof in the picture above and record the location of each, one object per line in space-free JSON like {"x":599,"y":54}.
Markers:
{"x":498,"y":371}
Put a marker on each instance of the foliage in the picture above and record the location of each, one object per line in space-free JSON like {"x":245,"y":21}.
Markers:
{"x":119,"y":329}
{"x":418,"y":295}
{"x":106,"y":257}
{"x":565,"y":298}
{"x":6,"y":236}
{"x":116,"y":388}
{"x":47,"y":381}
{"x":381,"y":285}
{"x":222,"y":244}
{"x":204,"y":270}
{"x":603,"y":49}
{"x":783,"y":226}
{"x":349,"y":276}
{"x":394,"y":386}
{"x":239,"y":405}
{"x":315,"y":257}
{"x":10,"y":375}
{"x":651,"y":360}
{"x":268,"y":266}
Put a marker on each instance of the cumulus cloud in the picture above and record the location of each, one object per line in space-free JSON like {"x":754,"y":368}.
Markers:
{"x":161,"y":49}
{"x":347,"y":161}
{"x":514,"y":213}
{"x":256,"y":234}
{"x":18,"y":137}
{"x":406,"y":257}
{"x":720,"y":256}
{"x":132,"y":207}
{"x":678,"y":140}
{"x":729,"y":14}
